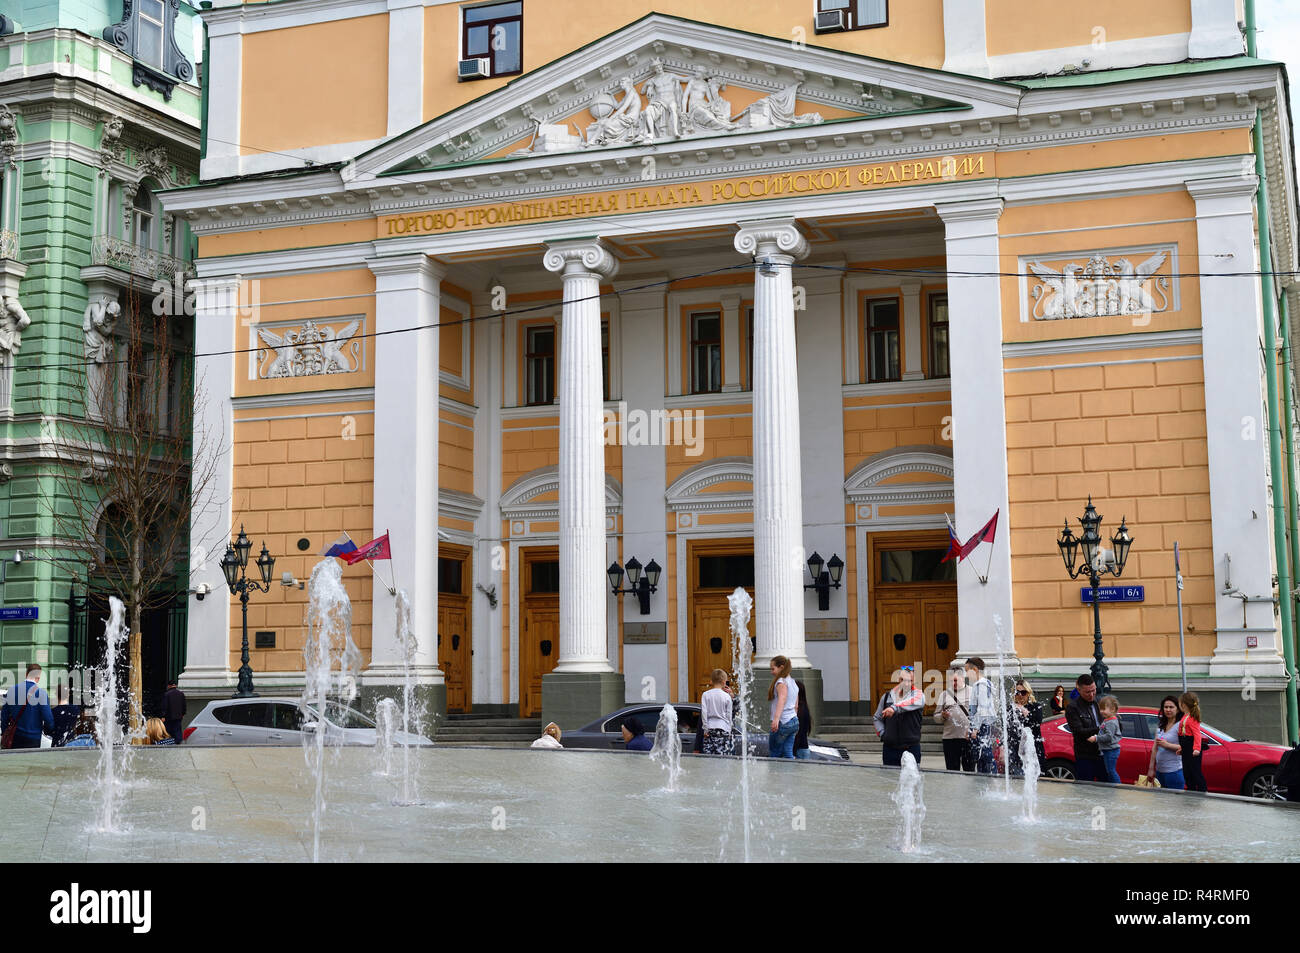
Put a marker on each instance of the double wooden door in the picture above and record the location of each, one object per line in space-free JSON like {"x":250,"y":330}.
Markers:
{"x":455,"y":650}
{"x":717,"y":568}
{"x":914,"y":610}
{"x":539,"y":625}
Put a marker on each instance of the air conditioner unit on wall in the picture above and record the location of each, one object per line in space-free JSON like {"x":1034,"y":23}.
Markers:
{"x":830,"y":21}
{"x":472,"y":69}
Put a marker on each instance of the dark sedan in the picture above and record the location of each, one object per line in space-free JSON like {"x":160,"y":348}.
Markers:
{"x":607,"y":733}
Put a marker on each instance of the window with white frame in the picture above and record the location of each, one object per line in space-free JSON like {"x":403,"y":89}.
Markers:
{"x":150,"y":30}
{"x":856,"y":14}
{"x":706,"y":352}
{"x":881,"y":324}
{"x":142,"y":217}
{"x":494,"y":32}
{"x":539,"y":365}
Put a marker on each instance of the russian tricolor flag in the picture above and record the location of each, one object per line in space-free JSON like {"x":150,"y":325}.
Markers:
{"x":340,"y":547}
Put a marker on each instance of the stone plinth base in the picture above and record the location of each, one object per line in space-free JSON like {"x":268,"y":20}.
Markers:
{"x":574,"y":699}
{"x":761,"y":707}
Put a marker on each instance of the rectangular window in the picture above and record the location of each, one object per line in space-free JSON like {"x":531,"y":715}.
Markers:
{"x":545,"y":576}
{"x":449,"y":576}
{"x":726,"y":572}
{"x":749,"y":349}
{"x":539,"y":363}
{"x":149,"y":32}
{"x":916,"y":565}
{"x":939,"y":364}
{"x":858,"y":14}
{"x":882,"y":316}
{"x":706,"y":353}
{"x":494,"y":32}
{"x":604,"y":360}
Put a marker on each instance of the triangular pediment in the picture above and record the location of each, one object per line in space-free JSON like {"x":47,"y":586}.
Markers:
{"x":664,"y":80}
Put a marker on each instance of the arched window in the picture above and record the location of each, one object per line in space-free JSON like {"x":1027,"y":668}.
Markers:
{"x":142,"y":217}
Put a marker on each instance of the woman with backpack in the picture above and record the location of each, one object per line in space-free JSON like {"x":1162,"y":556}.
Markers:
{"x":953,"y":712}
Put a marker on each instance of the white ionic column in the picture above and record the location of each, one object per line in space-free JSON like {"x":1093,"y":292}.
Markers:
{"x":583,"y":601}
{"x":979,"y":430}
{"x":207,"y":647}
{"x":407,"y":291}
{"x":1236,"y":435}
{"x":779,"y":560}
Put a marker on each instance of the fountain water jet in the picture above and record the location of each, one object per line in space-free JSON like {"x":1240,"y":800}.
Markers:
{"x":386,"y":719}
{"x":742,"y":660}
{"x":1029,"y":758}
{"x":1003,"y":708}
{"x":667,"y":750}
{"x":113,"y":763}
{"x":910,"y":803}
{"x":329,"y":643}
{"x":409,"y":647}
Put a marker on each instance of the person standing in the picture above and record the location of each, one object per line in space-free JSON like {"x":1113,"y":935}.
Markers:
{"x":634,"y":736}
{"x":983,"y":716}
{"x":1189,"y":740}
{"x":783,"y":696}
{"x":1083,"y":717}
{"x":1109,"y":734}
{"x":1166,"y":763}
{"x":801,"y":751}
{"x":715,"y":716}
{"x":173,"y":705}
{"x":27,"y":711}
{"x":1024,"y":711}
{"x":953,"y":712}
{"x":1058,"y":700}
{"x":898,"y":719}
{"x":65,"y":718}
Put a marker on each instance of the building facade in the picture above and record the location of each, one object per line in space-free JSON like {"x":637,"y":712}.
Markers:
{"x":537,"y":287}
{"x":99,"y":108}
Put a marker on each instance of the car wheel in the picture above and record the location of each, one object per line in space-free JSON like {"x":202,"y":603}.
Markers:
{"x":1059,"y":769}
{"x":1262,"y":783}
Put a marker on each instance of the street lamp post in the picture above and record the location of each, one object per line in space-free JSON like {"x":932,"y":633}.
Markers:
{"x":1096,"y":563}
{"x":233,"y":565}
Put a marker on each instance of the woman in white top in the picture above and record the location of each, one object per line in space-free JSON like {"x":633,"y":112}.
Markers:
{"x":783,"y":694}
{"x":715,"y":715}
{"x":550,"y":737}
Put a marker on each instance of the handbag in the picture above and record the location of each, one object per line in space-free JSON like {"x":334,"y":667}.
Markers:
{"x":1145,"y":781}
{"x":7,"y":741}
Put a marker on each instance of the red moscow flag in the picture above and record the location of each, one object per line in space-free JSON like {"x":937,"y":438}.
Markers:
{"x":984,"y":535}
{"x":375,"y":549}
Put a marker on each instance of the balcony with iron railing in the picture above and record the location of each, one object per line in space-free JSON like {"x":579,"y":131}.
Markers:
{"x":120,"y":254}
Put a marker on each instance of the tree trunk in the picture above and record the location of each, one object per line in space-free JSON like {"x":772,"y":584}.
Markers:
{"x":134,"y":645}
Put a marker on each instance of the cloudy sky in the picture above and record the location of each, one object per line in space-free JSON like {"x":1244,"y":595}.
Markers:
{"x":1279,"y":39}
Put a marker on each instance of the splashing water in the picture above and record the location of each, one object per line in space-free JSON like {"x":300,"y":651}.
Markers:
{"x":911,"y":804}
{"x":113,"y":763}
{"x":411,"y":726}
{"x":742,"y":661}
{"x":329,"y":643}
{"x":667,"y":750}
{"x":1029,"y":758}
{"x":386,"y":720}
{"x":1002,"y":707}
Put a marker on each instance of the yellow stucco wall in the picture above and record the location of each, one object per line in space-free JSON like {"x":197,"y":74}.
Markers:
{"x":1013,"y":26}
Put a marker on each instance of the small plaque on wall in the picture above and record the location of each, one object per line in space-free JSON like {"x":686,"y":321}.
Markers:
{"x":264,"y":640}
{"x":826,"y":630}
{"x":645,"y":633}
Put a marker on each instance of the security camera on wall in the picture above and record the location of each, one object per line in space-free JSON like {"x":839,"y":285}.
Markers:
{"x":201,"y":590}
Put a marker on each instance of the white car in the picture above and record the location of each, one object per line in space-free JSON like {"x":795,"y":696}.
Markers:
{"x":283,"y":721}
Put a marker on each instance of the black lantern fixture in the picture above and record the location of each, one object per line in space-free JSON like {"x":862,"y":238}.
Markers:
{"x":825,"y":577}
{"x":1096,"y":563}
{"x":234,"y":566}
{"x":641,"y":585}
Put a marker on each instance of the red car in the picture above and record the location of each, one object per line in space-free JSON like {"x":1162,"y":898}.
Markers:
{"x":1230,"y":766}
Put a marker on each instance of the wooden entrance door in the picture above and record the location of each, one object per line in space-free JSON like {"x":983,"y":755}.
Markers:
{"x":717,"y":567}
{"x":539,"y":625}
{"x":914,"y":608}
{"x":455,"y":651}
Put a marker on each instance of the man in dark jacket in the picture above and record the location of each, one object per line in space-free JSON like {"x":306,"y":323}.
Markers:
{"x":30,"y":707}
{"x":898,"y":719}
{"x":173,"y":710}
{"x":1084,"y":719}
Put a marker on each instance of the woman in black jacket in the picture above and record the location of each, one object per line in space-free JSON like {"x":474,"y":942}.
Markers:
{"x":1023,"y":711}
{"x":805,"y":724}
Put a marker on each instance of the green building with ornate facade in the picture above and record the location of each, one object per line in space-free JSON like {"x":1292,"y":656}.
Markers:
{"x":100,"y":106}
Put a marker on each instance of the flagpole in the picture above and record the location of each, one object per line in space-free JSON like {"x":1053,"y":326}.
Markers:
{"x":392,"y":590}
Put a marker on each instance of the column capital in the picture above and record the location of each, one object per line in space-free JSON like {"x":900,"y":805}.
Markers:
{"x":976,"y":210}
{"x":419,"y":267}
{"x":771,"y":236}
{"x":1242,"y":187}
{"x":588,"y":257}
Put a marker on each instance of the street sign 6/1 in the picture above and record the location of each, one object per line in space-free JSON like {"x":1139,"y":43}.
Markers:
{"x":1114,"y":594}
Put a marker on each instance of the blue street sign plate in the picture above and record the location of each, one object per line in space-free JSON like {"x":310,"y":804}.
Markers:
{"x":19,"y":612}
{"x":1114,"y":594}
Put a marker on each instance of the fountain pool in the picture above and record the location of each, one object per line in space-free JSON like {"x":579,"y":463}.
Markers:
{"x":242,"y":804}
